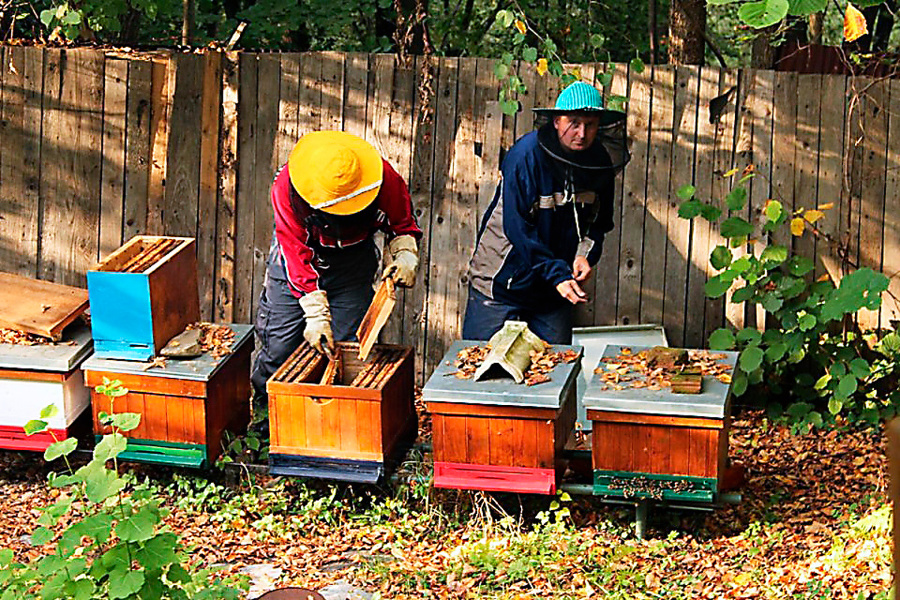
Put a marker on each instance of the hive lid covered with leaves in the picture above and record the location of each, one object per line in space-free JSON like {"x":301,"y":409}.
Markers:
{"x":61,"y":357}
{"x":634,"y":393}
{"x":201,"y":368}
{"x":501,"y":390}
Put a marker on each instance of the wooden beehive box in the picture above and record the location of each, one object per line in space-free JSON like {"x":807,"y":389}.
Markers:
{"x":142,"y":295}
{"x":33,"y":377}
{"x":184,"y":406}
{"x":350,"y":430}
{"x":497,"y":435}
{"x":653,"y":443}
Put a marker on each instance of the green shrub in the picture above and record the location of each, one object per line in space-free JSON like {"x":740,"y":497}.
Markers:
{"x":108,"y":533}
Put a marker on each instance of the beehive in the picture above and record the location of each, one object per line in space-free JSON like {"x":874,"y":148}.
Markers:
{"x":497,"y":435}
{"x":350,"y":429}
{"x":184,"y":406}
{"x":656,"y":443}
{"x":142,"y":295}
{"x":33,"y":377}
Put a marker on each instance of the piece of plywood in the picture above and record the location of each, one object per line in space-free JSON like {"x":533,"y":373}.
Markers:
{"x":39,"y":307}
{"x":376,"y":316}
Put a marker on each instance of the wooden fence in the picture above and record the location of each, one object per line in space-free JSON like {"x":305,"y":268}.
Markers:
{"x":96,"y":147}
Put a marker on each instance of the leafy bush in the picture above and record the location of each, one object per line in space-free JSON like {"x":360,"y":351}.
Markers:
{"x":813,"y":364}
{"x":108,"y":533}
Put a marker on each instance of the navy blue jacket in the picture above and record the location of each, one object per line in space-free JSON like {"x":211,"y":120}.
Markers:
{"x":548,"y":207}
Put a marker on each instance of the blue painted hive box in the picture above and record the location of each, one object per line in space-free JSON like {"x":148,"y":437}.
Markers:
{"x":142,"y":295}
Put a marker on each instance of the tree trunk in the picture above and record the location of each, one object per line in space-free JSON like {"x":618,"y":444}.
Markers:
{"x":816,"y":20}
{"x":187,"y":24}
{"x":687,"y":23}
{"x":762,"y":50}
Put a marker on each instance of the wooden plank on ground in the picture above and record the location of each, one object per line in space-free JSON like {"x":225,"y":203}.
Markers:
{"x":871,"y":228}
{"x":39,"y":307}
{"x":245,"y":198}
{"x":700,"y":229}
{"x":137,"y":147}
{"x":890,"y":310}
{"x":18,"y":233}
{"x":207,"y":209}
{"x":266,"y":129}
{"x":442,"y":271}
{"x":633,"y":199}
{"x":226,"y":217}
{"x":606,"y":272}
{"x":354,"y":93}
{"x":656,"y":215}
{"x":183,"y":156}
{"x":163,"y":87}
{"x":831,"y":155}
{"x":421,"y":184}
{"x":112,"y":185}
{"x":684,"y":128}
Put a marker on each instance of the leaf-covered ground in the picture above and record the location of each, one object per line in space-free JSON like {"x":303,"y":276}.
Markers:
{"x":813,"y":523}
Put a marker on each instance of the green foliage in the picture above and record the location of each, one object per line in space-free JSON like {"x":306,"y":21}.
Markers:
{"x":109,"y":542}
{"x":811,"y":367}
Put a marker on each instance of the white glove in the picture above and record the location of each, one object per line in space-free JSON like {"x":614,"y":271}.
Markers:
{"x":404,"y":260}
{"x":318,"y":322}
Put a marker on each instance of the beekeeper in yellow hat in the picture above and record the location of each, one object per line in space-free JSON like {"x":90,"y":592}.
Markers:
{"x":334,"y":194}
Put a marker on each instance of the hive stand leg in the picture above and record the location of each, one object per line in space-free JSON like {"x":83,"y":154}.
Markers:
{"x":640,"y":518}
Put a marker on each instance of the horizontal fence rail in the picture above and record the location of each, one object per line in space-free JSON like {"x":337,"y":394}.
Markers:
{"x":99,"y":146}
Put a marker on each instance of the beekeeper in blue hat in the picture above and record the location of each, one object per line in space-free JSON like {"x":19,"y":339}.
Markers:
{"x":543,"y":231}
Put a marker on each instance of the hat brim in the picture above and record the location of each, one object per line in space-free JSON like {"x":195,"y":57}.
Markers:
{"x":607,"y":116}
{"x":301,"y":172}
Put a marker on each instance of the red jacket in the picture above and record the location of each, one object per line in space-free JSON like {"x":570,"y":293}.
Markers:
{"x":298,"y":241}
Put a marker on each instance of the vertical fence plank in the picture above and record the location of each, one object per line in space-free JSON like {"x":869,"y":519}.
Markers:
{"x":18,"y":234}
{"x":138,"y":147}
{"x":288,"y":109}
{"x":441,"y":272}
{"x":759,"y":110}
{"x":656,"y":215}
{"x":226,"y":212}
{"x":207,"y":209}
{"x":268,"y":92}
{"x":633,"y":199}
{"x":421,"y":184}
{"x":163,"y":87}
{"x":354,"y":93}
{"x":309,"y":114}
{"x":872,"y":198}
{"x":784,"y":151}
{"x":806,"y":167}
{"x":112,"y":187}
{"x":245,"y":201}
{"x":183,"y":156}
{"x":332,"y":90}
{"x":606,"y":273}
{"x":723,"y":162}
{"x":891,"y":308}
{"x":700,"y":228}
{"x":31,"y":149}
{"x":853,"y":164}
{"x":684,"y":127}
{"x":51,"y":156}
{"x":831,"y":154}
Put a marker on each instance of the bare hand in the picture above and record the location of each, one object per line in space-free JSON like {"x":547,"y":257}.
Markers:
{"x":571,"y":291}
{"x":581,"y":269}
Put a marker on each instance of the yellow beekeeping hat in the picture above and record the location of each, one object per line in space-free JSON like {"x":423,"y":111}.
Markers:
{"x":335,"y":172}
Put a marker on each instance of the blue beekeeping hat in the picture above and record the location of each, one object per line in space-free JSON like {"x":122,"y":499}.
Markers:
{"x":581,"y":97}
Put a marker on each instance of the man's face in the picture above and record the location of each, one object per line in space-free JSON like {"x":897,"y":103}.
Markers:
{"x":576,"y":132}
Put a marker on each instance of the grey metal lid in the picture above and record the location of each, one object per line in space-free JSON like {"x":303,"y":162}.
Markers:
{"x":713,"y":401}
{"x":201,"y":368}
{"x":443,"y":386}
{"x":60,"y":357}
